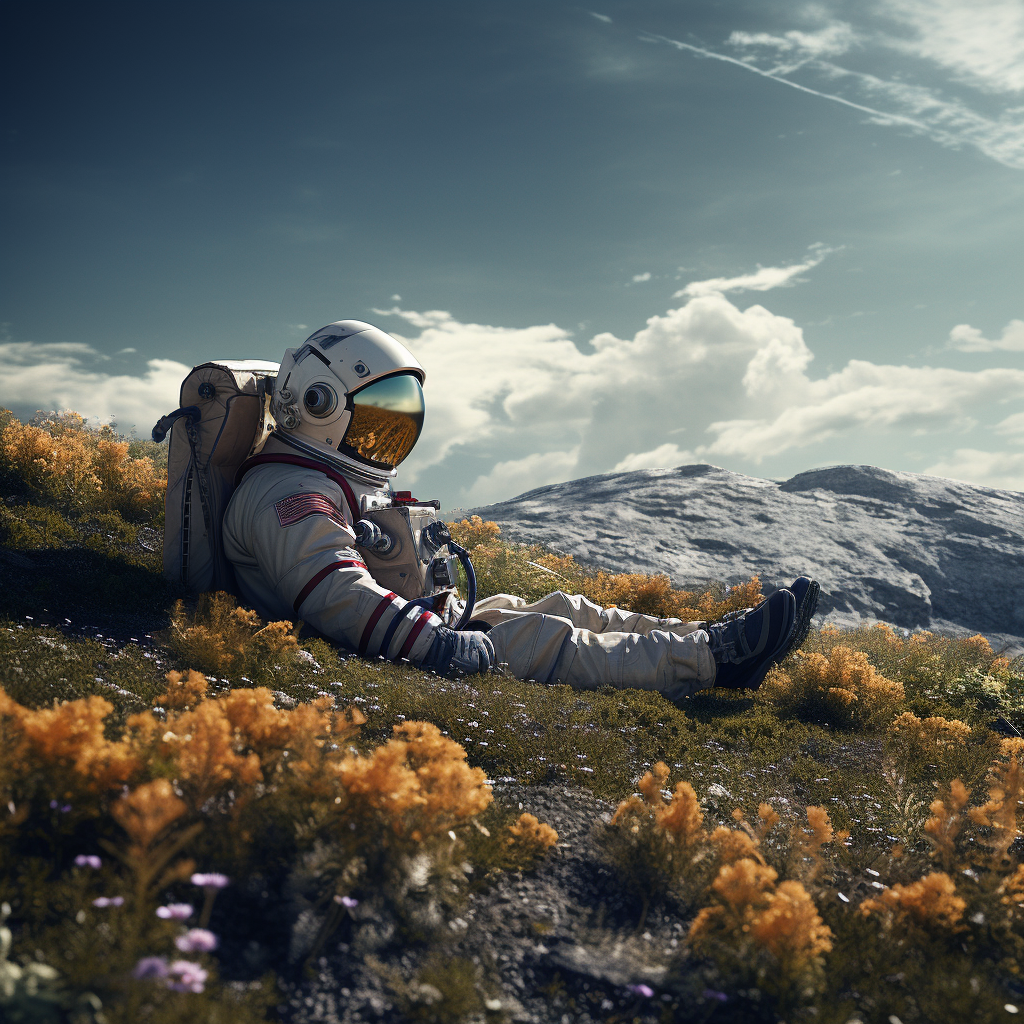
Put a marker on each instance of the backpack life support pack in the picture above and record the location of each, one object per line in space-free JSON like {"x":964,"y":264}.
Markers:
{"x":223,"y":419}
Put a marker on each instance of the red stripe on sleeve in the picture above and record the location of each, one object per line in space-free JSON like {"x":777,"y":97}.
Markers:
{"x":413,"y":633}
{"x":385,"y":603}
{"x":308,"y":589}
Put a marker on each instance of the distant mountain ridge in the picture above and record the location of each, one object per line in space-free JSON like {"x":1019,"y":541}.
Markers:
{"x":917,"y":551}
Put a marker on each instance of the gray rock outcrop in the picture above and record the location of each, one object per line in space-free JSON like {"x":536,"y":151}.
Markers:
{"x":916,"y":551}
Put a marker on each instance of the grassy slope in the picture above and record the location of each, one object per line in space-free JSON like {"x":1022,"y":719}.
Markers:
{"x":96,"y":586}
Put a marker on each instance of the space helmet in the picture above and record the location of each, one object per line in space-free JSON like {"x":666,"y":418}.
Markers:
{"x":351,"y":395}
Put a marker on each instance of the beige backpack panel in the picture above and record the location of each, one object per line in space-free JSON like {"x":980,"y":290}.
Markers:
{"x":234,"y":420}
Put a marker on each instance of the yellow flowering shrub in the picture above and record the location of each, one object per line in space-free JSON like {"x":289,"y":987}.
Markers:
{"x":219,"y":637}
{"x":184,"y":690}
{"x":758,"y":928}
{"x":527,"y":841}
{"x":1000,"y":814}
{"x":520,"y":569}
{"x":841,"y":688}
{"x":63,"y":461}
{"x":418,"y":783}
{"x":929,"y":903}
{"x":473,"y":532}
{"x":64,"y":747}
{"x":656,"y":843}
{"x":947,"y":822}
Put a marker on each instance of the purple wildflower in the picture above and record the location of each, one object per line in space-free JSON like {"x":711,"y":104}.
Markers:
{"x":642,"y":990}
{"x":150,"y":967}
{"x":710,"y":993}
{"x":175,"y":912}
{"x":88,"y":860}
{"x":108,"y":901}
{"x":196,"y":940}
{"x":211,"y":880}
{"x":189,"y":977}
{"x":346,"y":901}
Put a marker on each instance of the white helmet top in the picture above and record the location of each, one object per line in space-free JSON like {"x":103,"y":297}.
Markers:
{"x":351,"y":395}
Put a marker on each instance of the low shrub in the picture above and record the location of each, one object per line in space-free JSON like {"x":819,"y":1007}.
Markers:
{"x":217,"y":636}
{"x":841,"y":689}
{"x":63,"y":463}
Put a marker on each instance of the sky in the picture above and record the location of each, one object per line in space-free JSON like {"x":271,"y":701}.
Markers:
{"x":763,"y":235}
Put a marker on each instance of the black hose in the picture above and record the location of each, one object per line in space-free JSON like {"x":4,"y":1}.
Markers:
{"x":463,"y":556}
{"x":164,"y":423}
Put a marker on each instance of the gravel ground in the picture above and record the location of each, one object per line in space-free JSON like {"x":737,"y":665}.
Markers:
{"x":546,"y":946}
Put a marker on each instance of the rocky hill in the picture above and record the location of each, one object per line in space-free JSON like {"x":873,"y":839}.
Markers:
{"x":916,"y":551}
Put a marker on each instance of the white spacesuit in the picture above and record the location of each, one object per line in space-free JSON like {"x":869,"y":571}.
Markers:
{"x":349,"y":408}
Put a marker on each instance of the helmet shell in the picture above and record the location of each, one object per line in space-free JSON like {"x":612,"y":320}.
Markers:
{"x":310,"y":401}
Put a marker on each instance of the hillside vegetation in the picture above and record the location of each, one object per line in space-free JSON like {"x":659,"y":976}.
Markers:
{"x":203,"y":816}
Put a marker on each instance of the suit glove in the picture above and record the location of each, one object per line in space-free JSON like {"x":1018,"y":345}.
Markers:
{"x":458,"y":652}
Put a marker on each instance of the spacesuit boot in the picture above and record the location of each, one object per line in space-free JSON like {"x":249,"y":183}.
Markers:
{"x":746,"y":647}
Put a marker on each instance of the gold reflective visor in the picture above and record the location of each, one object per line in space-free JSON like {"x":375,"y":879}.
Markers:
{"x":387,"y":417}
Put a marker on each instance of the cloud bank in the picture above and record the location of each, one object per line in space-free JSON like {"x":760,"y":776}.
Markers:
{"x":70,"y":376}
{"x":513,"y":408}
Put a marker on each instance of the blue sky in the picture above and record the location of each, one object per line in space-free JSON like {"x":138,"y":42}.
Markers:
{"x":769,"y":236}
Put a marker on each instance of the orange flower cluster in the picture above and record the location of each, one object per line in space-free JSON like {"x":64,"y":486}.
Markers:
{"x":842,"y":688}
{"x":66,"y":462}
{"x":67,"y":742}
{"x":520,"y":569}
{"x":917,"y":656}
{"x":418,"y":781}
{"x":930,"y":734}
{"x":947,"y":822}
{"x":238,"y":739}
{"x":473,"y":532}
{"x":929,"y":903}
{"x":219,"y":636}
{"x":1001,"y":813}
{"x":146,"y":811}
{"x":754,"y":914}
{"x":679,"y":819}
{"x":531,"y":837}
{"x":241,"y":739}
{"x":654,"y":595}
{"x":807,"y":842}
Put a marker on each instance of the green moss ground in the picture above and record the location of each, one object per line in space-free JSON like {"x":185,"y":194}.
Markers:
{"x":95,"y":584}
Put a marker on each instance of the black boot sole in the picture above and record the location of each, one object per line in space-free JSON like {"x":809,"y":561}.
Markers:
{"x":804,"y":613}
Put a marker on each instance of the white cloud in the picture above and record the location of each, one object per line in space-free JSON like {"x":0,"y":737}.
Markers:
{"x":519,"y":475}
{"x":645,"y":276}
{"x":126,"y":351}
{"x":831,"y":41}
{"x":600,"y":17}
{"x":981,"y":43}
{"x":734,"y":385}
{"x":864,"y":396}
{"x":1004,"y":470}
{"x":63,"y":376}
{"x":665,"y":456}
{"x":1012,"y":427}
{"x":965,"y":338}
{"x":762,"y":280}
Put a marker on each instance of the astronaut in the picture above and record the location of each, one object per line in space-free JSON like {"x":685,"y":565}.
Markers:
{"x":349,"y":408}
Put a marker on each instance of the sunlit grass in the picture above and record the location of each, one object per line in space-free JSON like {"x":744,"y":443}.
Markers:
{"x":855,"y":814}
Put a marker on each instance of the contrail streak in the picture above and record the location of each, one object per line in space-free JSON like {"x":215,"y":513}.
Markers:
{"x":919,"y":125}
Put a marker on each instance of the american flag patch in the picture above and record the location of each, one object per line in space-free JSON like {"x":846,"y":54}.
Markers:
{"x":295,"y":508}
